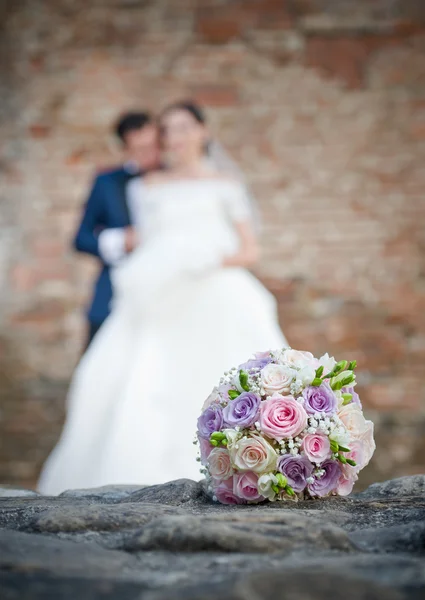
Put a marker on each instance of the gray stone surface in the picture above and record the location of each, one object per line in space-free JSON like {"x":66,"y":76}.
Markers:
{"x":171,"y":542}
{"x":396,"y":488}
{"x":10,"y":492}
{"x":109,"y":493}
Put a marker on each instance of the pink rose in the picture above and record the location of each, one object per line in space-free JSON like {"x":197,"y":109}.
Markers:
{"x":282,"y":417}
{"x":204,"y":449}
{"x":345,"y":485}
{"x":253,"y":453}
{"x":368,"y":442}
{"x":245,"y":485}
{"x":224,"y":493}
{"x":316,"y":447}
{"x":219,"y":464}
{"x":277,"y":379}
{"x":357,"y":453}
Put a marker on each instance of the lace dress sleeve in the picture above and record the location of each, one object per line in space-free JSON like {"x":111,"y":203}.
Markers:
{"x":237,"y":203}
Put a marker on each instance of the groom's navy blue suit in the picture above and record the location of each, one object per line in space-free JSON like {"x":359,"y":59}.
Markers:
{"x":106,"y":208}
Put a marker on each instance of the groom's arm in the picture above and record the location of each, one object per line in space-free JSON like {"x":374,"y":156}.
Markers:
{"x":108,"y":244}
{"x":87,"y":237}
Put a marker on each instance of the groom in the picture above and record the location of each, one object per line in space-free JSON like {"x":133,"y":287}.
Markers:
{"x":106,"y":229}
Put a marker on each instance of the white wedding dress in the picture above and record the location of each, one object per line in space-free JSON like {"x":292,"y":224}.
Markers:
{"x":179,"y":320}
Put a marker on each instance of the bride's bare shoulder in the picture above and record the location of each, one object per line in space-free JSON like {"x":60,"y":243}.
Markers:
{"x":156,"y":177}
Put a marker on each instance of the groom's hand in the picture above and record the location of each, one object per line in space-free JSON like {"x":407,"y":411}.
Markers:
{"x":131,"y":239}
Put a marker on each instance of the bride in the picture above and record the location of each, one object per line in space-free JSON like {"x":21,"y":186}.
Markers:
{"x":185,"y":310}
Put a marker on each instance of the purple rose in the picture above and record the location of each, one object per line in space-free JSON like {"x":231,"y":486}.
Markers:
{"x":210,"y":420}
{"x":319,"y":399}
{"x":328,"y":481}
{"x":242,"y":411}
{"x":296,"y":469}
{"x":259,"y":362}
{"x":352,"y":391}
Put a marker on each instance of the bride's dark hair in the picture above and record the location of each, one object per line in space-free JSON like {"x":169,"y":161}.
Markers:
{"x":189,"y":106}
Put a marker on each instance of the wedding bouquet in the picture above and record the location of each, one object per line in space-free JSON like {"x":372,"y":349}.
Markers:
{"x":284,"y":426}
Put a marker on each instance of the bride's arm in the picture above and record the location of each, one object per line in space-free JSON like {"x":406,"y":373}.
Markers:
{"x":248,"y":252}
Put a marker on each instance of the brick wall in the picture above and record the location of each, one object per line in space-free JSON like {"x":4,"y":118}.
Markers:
{"x":323,"y":104}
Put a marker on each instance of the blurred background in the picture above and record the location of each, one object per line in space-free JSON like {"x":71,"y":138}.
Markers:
{"x":322,"y":102}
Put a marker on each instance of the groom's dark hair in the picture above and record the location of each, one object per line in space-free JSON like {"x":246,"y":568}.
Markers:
{"x":130,"y":122}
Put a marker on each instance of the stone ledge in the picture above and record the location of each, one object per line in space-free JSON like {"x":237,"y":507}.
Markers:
{"x":170,"y":542}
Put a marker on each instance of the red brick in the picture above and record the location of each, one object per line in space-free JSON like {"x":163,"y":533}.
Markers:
{"x":221,"y":28}
{"x":388,"y":396}
{"x":215,"y":95}
{"x":39,"y":131}
{"x":339,"y":57}
{"x":77,"y":157}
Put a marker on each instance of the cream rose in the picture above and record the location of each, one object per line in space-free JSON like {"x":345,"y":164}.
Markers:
{"x":277,"y":379}
{"x":353,"y":420}
{"x":219,"y":464}
{"x":253,"y":453}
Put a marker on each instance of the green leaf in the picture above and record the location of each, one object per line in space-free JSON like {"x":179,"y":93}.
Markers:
{"x":289,"y":491}
{"x":233,"y":394}
{"x":316,"y":382}
{"x":275,"y":488}
{"x":336,"y":385}
{"x":214,"y":443}
{"x":351,"y":462}
{"x":217,"y":435}
{"x":328,"y":375}
{"x":243,"y":380}
{"x":352,"y":365}
{"x":319,"y":371}
{"x":342,"y":459}
{"x":224,"y":442}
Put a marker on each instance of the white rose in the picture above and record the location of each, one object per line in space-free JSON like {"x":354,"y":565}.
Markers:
{"x":298,"y":358}
{"x":353,"y":420}
{"x":327,"y":362}
{"x":277,"y":379}
{"x":264,"y":486}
